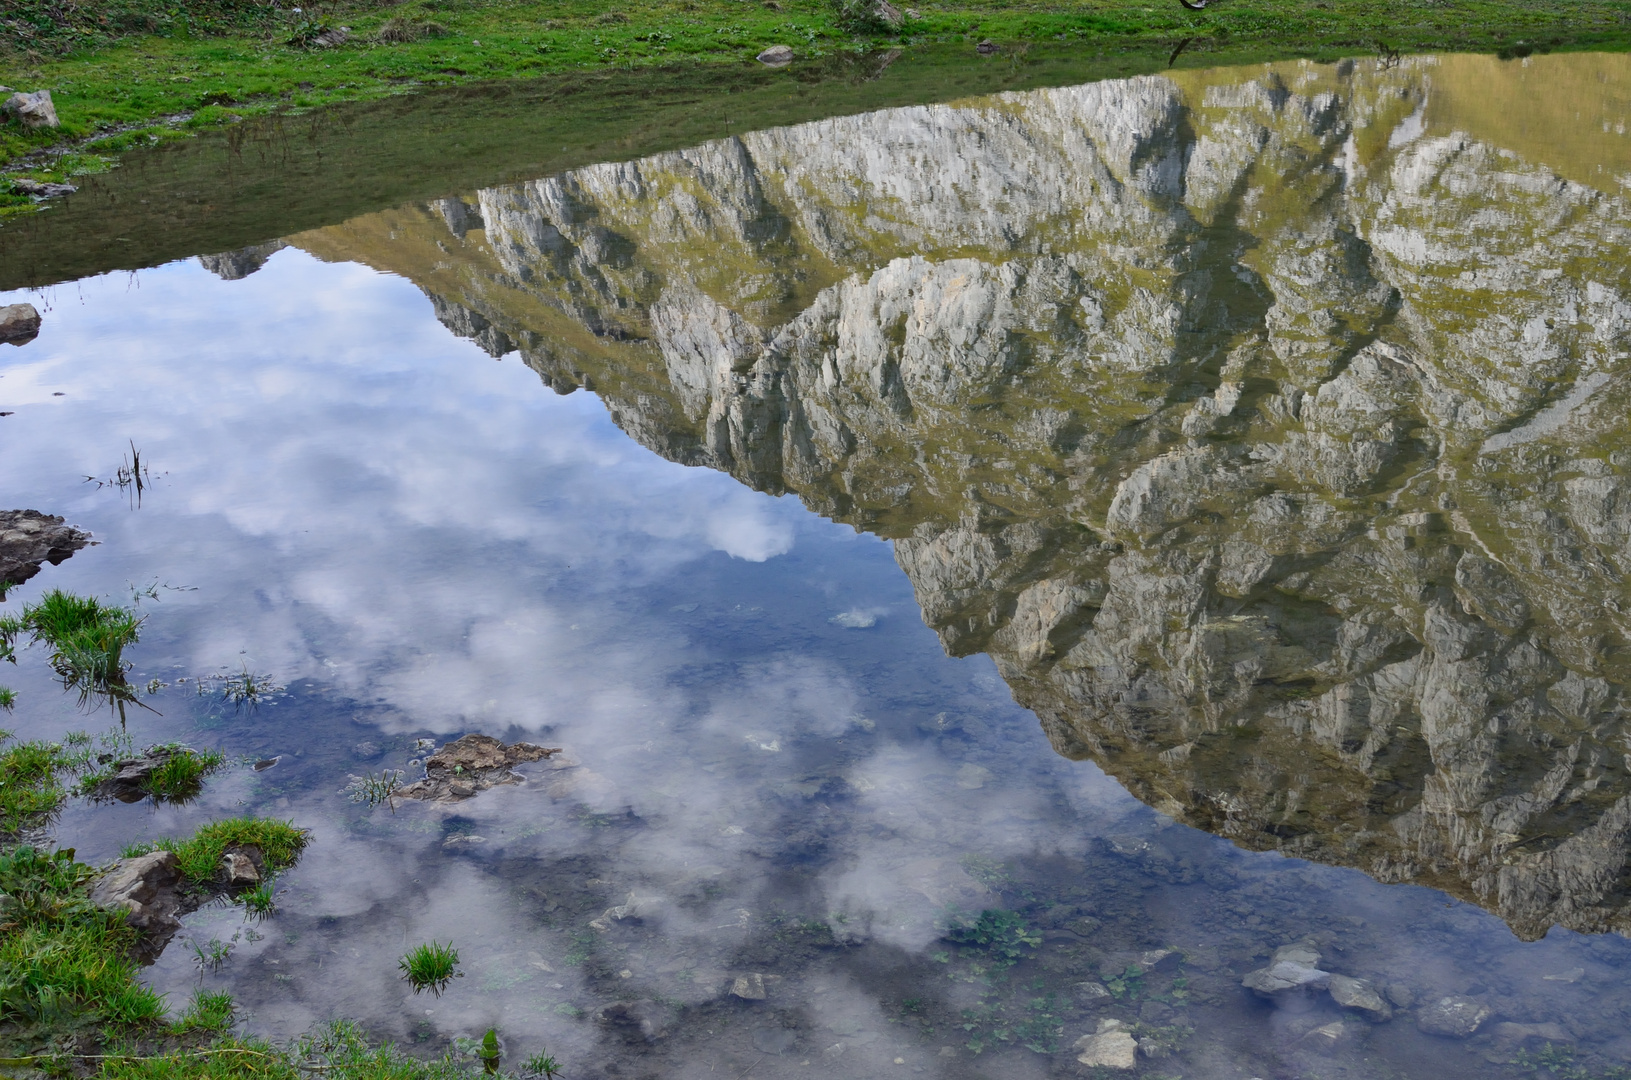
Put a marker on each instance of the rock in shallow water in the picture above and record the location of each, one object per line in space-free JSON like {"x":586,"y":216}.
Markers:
{"x":29,"y":538}
{"x":776,"y":56}
{"x":19,"y":323}
{"x":1360,"y":995}
{"x":471,"y":764}
{"x":1292,"y":969}
{"x":1452,"y":1017}
{"x":1112,"y":1046}
{"x":145,"y":888}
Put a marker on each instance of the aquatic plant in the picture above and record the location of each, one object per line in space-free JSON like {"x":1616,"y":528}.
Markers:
{"x":199,"y":856}
{"x":8,"y":698}
{"x":177,"y":780}
{"x":209,"y":1010}
{"x":542,"y":1064}
{"x":1003,"y":934}
{"x":259,"y":901}
{"x":374,"y":790}
{"x":87,"y":640}
{"x":213,"y":954}
{"x":431,"y":967}
{"x":245,"y":690}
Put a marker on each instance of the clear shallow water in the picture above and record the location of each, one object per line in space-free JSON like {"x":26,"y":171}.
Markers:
{"x":769,"y":749}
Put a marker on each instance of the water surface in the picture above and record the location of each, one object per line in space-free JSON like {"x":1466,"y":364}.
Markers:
{"x":1257,"y":430}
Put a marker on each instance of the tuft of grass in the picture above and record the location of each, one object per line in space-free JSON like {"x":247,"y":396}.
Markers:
{"x":374,"y":790}
{"x":398,"y":30}
{"x":8,"y":698}
{"x":431,"y":967}
{"x":87,"y":640}
{"x":542,"y":1064}
{"x":260,"y":900}
{"x":181,"y":777}
{"x":29,"y":786}
{"x":199,"y":857}
{"x":209,"y":1010}
{"x":62,"y":959}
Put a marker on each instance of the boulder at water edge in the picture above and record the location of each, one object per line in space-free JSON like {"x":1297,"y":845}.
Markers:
{"x":19,"y":323}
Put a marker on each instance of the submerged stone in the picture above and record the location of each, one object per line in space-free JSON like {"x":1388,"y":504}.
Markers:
{"x":1361,"y":995}
{"x":1112,"y":1046}
{"x":1452,"y":1017}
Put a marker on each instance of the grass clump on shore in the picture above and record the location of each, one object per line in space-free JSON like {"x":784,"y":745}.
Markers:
{"x":30,"y":790}
{"x":199,"y":857}
{"x":430,"y":967}
{"x":62,"y":958}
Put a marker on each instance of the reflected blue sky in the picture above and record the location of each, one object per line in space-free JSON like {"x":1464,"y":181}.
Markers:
{"x":759,"y":732}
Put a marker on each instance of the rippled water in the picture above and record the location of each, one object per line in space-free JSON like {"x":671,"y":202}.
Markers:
{"x":1258,"y":430}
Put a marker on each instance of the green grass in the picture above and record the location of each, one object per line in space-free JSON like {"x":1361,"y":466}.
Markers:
{"x":62,"y":959}
{"x":126,"y":75}
{"x":181,"y":777}
{"x":430,"y":967}
{"x":87,"y":640}
{"x":198,"y":858}
{"x":29,"y":783}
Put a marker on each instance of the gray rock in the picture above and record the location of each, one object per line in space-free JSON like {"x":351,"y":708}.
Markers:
{"x":19,"y":323}
{"x":888,"y":13}
{"x":1400,"y":995}
{"x":473,"y":764}
{"x":33,"y":111}
{"x":29,"y":538}
{"x":749,"y":987}
{"x":146,"y":889}
{"x":1361,"y":995}
{"x":334,"y":35}
{"x":1293,"y":969}
{"x":1452,"y":1017}
{"x":1333,"y":1036}
{"x":41,"y":189}
{"x":1112,"y":1046}
{"x":776,"y":56}
{"x":240,"y":869}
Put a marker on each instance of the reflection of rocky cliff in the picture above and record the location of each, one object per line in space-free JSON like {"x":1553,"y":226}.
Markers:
{"x":1268,"y":436}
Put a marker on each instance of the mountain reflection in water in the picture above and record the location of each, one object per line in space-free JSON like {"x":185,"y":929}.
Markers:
{"x":1267,"y":427}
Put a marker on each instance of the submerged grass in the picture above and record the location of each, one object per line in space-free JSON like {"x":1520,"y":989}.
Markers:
{"x":199,"y":857}
{"x":126,"y":75}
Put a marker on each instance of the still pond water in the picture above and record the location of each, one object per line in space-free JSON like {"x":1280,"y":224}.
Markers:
{"x":1262,"y":432}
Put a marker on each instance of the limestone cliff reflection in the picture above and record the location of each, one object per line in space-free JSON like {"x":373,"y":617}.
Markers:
{"x":1265,"y":426}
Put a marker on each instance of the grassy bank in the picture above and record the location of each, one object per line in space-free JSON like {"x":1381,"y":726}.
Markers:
{"x":125,"y":75}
